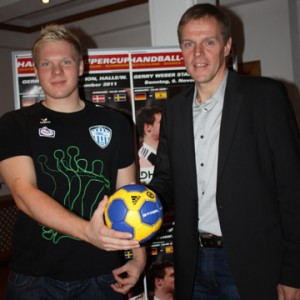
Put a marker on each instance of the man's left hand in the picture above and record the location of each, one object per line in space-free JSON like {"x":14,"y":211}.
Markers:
{"x":132,"y":270}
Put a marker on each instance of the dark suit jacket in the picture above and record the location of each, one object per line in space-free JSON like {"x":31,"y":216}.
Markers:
{"x":258,"y":186}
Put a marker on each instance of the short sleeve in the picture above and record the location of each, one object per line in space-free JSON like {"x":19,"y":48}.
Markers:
{"x":13,"y":140}
{"x":127,"y":149}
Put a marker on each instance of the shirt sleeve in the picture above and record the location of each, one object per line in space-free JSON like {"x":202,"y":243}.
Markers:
{"x":127,"y":144}
{"x":13,"y":140}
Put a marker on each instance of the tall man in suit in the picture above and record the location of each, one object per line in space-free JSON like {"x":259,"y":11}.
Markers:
{"x":229,"y":159}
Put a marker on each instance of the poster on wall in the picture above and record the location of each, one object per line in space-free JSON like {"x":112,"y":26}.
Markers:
{"x":157,"y":75}
{"x":106,"y":79}
{"x":27,"y":90}
{"x":137,"y":82}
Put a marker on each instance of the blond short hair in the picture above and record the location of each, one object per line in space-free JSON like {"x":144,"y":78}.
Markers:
{"x":55,"y":33}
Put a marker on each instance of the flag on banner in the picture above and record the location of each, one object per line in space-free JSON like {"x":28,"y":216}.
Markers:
{"x":169,"y":249}
{"x":154,"y":251}
{"x":121,"y":97}
{"x":160,"y":95}
{"x":98,"y":98}
{"x":28,"y":102}
{"x":140,"y":96}
{"x":128,"y":254}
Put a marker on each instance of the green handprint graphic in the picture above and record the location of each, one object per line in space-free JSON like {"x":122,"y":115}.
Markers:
{"x":82,"y":182}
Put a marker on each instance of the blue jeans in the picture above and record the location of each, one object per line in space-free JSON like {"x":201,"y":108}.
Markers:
{"x":214,"y":280}
{"x":25,"y":287}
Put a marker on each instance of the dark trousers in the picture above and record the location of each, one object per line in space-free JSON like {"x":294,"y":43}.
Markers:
{"x":24,"y":287}
{"x":214,"y":280}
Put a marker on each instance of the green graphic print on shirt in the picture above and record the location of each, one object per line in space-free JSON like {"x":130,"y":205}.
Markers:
{"x":83,"y":184}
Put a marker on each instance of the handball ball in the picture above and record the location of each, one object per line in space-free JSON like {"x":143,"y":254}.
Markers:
{"x":136,"y":209}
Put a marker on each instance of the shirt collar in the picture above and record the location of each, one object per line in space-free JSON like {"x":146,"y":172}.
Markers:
{"x":218,"y":96}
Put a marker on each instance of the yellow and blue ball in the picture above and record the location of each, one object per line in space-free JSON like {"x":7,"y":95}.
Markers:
{"x":136,"y":209}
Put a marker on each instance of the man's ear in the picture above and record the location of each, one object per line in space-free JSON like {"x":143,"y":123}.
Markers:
{"x":36,"y":72}
{"x":81,"y":67}
{"x":228,"y":47}
{"x":158,"y":281}
{"x":147,"y":128}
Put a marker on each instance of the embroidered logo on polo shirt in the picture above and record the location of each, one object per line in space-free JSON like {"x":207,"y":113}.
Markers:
{"x":46,"y":132}
{"x":101,"y":135}
{"x":44,"y":121}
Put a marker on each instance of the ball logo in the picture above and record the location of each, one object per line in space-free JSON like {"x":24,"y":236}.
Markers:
{"x":135,"y":199}
{"x":149,"y":213}
{"x":150,"y":194}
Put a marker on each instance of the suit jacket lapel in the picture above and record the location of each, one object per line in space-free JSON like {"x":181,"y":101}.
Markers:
{"x":232,"y":104}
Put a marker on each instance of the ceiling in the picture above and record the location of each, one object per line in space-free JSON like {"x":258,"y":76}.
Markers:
{"x":30,"y":15}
